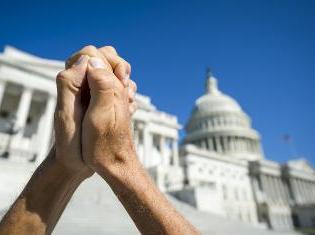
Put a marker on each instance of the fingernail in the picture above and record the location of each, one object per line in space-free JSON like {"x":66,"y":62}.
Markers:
{"x":80,"y":60}
{"x":96,"y":62}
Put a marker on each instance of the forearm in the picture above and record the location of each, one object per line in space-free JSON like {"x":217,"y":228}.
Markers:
{"x":38,"y":208}
{"x":146,"y":205}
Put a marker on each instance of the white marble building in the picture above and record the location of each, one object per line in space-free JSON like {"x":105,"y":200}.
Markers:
{"x":225,"y":170}
{"x":219,"y":167}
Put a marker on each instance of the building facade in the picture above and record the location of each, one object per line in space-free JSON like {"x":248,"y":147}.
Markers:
{"x":219,"y":167}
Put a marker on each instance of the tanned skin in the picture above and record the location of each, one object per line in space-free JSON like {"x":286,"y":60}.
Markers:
{"x":93,"y":134}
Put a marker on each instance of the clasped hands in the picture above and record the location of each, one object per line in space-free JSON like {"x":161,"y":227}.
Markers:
{"x":95,"y":101}
{"x":96,"y":98}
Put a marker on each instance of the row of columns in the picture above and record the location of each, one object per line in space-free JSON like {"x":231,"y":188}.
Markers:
{"x":276,"y":192}
{"x":275,"y":189}
{"x":303,"y":191}
{"x":143,"y":135}
{"x":22,"y":113}
{"x":219,"y":121}
{"x":229,"y":144}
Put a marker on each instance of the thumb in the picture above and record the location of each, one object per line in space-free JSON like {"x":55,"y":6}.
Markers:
{"x":101,"y":82}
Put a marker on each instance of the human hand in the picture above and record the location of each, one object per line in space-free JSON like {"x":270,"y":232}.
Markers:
{"x":106,"y":134}
{"x":73,"y":100}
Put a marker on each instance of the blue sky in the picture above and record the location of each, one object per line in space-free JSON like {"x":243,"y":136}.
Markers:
{"x":262,"y":52}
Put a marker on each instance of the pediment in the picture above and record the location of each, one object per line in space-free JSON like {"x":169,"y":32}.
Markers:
{"x":302,"y":165}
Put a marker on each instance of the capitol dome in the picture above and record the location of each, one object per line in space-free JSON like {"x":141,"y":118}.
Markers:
{"x":218,"y":123}
{"x":215,"y":101}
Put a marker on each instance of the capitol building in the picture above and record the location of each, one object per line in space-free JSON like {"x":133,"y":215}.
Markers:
{"x":218,"y":168}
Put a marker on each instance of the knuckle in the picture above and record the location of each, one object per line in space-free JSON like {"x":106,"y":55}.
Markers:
{"x":62,"y":76}
{"x":64,"y":79}
{"x":109,"y":49}
{"x":89,"y":50}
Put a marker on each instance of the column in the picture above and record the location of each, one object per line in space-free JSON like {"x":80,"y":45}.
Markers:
{"x":175,"y":152}
{"x":254,"y":146}
{"x":277,"y":189}
{"x":282,"y":190}
{"x":147,"y":145}
{"x":233,"y":144}
{"x":244,"y":144}
{"x":239,"y":140}
{"x":241,"y":144}
{"x":225,"y":143}
{"x":249,"y":147}
{"x":296,"y":191}
{"x":271,"y":188}
{"x":237,"y":144}
{"x":310,"y":192}
{"x":274,"y":190}
{"x":2,"y":90}
{"x":23,"y":109}
{"x":313,"y":191}
{"x":265,"y":187}
{"x":306,"y":191}
{"x":46,"y":128}
{"x":164,"y":159}
{"x":302,"y":190}
{"x":210,"y":144}
{"x":258,"y":149}
{"x":309,"y":187}
{"x":218,"y":144}
{"x":288,"y":190}
{"x":203,"y":144}
{"x":229,"y":142}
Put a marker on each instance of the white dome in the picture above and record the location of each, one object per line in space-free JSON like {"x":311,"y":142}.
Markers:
{"x":214,"y":101}
{"x":217,"y":121}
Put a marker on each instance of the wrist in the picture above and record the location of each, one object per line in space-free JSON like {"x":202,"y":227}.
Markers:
{"x":125,"y":178}
{"x":69,"y":171}
{"x":122,"y":165}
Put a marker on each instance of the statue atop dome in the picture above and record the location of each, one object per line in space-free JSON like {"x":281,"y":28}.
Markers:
{"x":211,"y":83}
